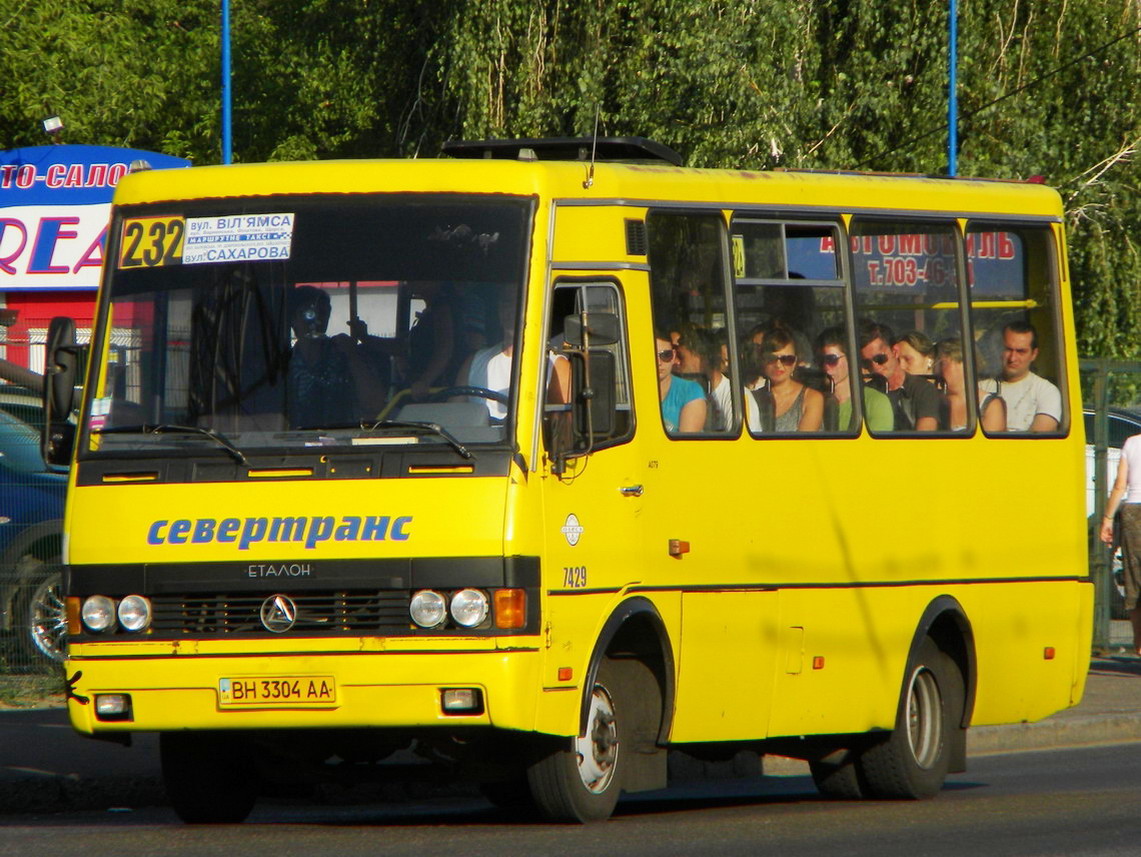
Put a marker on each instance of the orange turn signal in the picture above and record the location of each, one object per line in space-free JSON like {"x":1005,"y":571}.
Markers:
{"x":72,"y":606}
{"x":510,"y":608}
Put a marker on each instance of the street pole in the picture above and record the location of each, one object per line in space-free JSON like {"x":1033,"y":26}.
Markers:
{"x":952,"y":95}
{"x":226,"y":143}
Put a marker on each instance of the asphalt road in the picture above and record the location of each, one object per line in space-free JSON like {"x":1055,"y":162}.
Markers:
{"x":1078,"y":803}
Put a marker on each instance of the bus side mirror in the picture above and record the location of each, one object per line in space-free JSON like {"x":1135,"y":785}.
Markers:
{"x":592,"y":395}
{"x":573,"y":430}
{"x":61,"y":369}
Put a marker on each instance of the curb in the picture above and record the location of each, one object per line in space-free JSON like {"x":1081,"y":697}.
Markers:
{"x":1051,"y":734}
{"x":1047,"y":734}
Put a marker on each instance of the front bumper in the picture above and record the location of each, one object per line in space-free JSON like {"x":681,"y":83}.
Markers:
{"x":373,"y":689}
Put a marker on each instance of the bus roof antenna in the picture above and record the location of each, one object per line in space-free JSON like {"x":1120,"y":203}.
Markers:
{"x":586,"y":185}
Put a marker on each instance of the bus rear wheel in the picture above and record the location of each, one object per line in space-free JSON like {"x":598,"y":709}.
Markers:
{"x":210,"y":778}
{"x":836,"y":776}
{"x":581,"y":778}
{"x":912,"y":763}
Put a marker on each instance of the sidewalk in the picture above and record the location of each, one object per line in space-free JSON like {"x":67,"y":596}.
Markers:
{"x":46,"y":767}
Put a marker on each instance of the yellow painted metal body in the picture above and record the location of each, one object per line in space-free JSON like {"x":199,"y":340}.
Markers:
{"x":811,"y":561}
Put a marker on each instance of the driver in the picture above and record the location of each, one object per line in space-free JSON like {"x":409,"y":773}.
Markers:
{"x":490,"y":368}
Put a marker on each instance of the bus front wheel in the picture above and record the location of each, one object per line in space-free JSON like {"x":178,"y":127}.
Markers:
{"x":580,"y":779}
{"x":209,"y":778}
{"x":913,"y":761}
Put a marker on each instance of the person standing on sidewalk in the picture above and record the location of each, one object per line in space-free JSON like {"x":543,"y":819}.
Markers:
{"x":1126,"y":493}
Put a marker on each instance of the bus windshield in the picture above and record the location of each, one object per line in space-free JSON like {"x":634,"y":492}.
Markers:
{"x":309,"y":321}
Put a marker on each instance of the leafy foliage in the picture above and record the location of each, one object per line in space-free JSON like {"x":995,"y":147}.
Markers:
{"x":1046,"y":89}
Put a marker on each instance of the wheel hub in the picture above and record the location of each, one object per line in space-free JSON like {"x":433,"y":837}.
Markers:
{"x":597,"y":750}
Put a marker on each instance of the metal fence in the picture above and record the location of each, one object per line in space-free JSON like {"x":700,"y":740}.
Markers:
{"x":30,"y":606}
{"x":31,"y":526}
{"x":1112,"y":393}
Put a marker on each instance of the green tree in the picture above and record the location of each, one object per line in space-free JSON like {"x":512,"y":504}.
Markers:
{"x":1047,"y":89}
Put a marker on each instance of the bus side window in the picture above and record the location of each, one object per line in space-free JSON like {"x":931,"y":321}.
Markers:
{"x":905,"y":275}
{"x":1013,"y":285}
{"x":688,"y":275}
{"x":792,"y":332}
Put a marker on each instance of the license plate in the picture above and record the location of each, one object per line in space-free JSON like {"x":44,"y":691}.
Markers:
{"x":282,"y":690}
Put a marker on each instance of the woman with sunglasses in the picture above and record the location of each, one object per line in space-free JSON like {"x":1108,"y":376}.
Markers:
{"x":683,"y":401}
{"x":833,"y":357}
{"x":796,"y":407}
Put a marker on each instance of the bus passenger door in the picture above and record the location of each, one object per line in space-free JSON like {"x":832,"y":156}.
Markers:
{"x":592,"y":475}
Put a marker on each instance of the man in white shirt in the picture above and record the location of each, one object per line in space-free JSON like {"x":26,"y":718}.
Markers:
{"x":1033,"y":404}
{"x":490,"y":368}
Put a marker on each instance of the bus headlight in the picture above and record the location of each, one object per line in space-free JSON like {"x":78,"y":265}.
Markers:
{"x":469,"y":607}
{"x":428,"y":609}
{"x":135,"y":613}
{"x":98,"y":613}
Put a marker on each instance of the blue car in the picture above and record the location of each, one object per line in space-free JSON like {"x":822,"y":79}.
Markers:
{"x":31,"y":536}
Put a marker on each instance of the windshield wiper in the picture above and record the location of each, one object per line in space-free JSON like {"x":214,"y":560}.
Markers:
{"x":434,"y":428}
{"x":171,"y":428}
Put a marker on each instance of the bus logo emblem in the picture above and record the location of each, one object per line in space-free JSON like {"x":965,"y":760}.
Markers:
{"x":572,"y":529}
{"x":278,"y":613}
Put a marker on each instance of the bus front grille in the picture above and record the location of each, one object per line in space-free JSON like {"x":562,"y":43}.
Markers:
{"x":328,"y":612}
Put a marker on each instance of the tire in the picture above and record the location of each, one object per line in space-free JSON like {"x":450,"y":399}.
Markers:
{"x":41,"y":614}
{"x":512,"y":796}
{"x":913,"y":762}
{"x":579,"y":779}
{"x":837,"y":777}
{"x":210,"y":778}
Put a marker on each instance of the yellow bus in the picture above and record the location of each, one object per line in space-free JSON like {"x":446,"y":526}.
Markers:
{"x":543,"y":460}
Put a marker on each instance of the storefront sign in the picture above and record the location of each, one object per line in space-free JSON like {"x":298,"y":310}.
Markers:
{"x":55,"y":202}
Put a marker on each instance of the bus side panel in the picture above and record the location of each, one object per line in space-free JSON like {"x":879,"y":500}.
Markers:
{"x":728,"y":654}
{"x":1031,"y":642}
{"x":843,"y":653}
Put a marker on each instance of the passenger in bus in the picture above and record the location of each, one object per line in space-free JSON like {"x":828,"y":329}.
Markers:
{"x":430,"y":341}
{"x":949,"y":367}
{"x":683,"y":401}
{"x":700,"y":359}
{"x":692,"y":348}
{"x":831,"y":353}
{"x":754,"y":385}
{"x":917,"y":404}
{"x":720,"y":387}
{"x":1033,"y":404}
{"x":796,"y":407}
{"x":916,"y":353}
{"x":319,"y":381}
{"x":756,"y":334}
